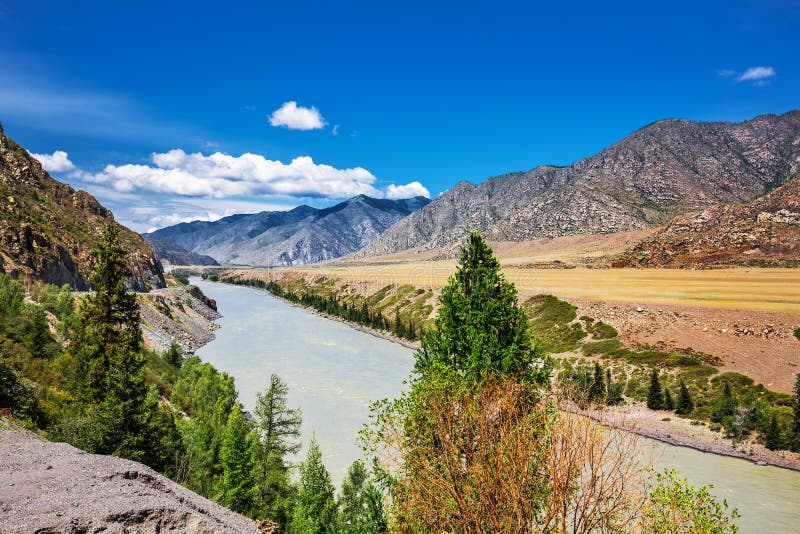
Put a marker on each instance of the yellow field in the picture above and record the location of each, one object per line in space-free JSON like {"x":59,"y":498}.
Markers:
{"x":736,"y":288}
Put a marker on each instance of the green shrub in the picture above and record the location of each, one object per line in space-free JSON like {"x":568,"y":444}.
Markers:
{"x":603,"y":347}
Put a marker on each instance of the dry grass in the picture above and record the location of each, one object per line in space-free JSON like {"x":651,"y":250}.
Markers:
{"x":735,"y":288}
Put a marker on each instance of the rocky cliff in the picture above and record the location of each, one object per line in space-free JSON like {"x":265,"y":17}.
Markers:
{"x":662,"y":170}
{"x":48,"y":230}
{"x":54,"y":487}
{"x":764,"y":232}
{"x":296,"y":237}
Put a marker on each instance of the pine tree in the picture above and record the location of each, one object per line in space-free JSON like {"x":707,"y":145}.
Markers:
{"x":236,"y":457}
{"x":360,"y":504}
{"x":685,"y":403}
{"x":597,"y":390}
{"x":278,"y":428}
{"x":772,"y":439}
{"x":38,"y":335}
{"x":479,"y":328}
{"x":655,"y":399}
{"x":108,"y":323}
{"x":174,"y":355}
{"x":726,"y":391}
{"x":668,"y":403}
{"x":315,"y":511}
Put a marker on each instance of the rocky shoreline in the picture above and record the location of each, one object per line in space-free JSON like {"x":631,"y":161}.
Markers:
{"x":182,"y":314}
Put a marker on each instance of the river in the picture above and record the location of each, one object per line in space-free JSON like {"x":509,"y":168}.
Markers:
{"x":334,"y":372}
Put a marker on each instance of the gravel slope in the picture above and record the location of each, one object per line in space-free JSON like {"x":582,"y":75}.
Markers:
{"x":54,"y":487}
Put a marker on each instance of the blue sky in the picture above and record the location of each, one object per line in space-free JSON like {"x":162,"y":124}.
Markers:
{"x":155,"y":104}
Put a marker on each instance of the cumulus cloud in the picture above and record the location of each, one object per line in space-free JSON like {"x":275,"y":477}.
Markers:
{"x":756,"y":73}
{"x":171,"y":219}
{"x":295,"y":117}
{"x":223,"y":176}
{"x":413,"y":189}
{"x":58,"y":161}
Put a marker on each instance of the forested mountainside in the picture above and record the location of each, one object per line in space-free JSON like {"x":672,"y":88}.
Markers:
{"x":764,"y":232}
{"x":663,"y":170}
{"x":48,"y":230}
{"x":296,"y":237}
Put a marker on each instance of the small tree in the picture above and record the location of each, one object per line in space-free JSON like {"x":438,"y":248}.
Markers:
{"x":668,"y":402}
{"x":772,"y":437}
{"x":38,"y":335}
{"x":597,"y":390}
{"x":655,"y":398}
{"x":236,"y":457}
{"x":685,"y":403}
{"x":360,"y":503}
{"x":174,"y":355}
{"x":315,"y":511}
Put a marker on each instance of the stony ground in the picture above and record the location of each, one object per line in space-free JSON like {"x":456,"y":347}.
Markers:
{"x":54,"y":487}
{"x":182,"y":314}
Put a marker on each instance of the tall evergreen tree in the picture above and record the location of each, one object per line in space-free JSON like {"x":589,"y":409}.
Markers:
{"x":315,"y":511}
{"x":685,"y":403}
{"x":236,"y":457}
{"x":107,"y":330}
{"x":655,"y":398}
{"x":278,"y":428}
{"x":38,"y":335}
{"x":479,"y":328}
{"x":360,"y":504}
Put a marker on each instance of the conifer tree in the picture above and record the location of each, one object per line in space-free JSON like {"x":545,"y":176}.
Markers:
{"x":38,"y":335}
{"x":772,"y":439}
{"x":668,"y":403}
{"x":278,"y":428}
{"x":479,"y":328}
{"x":315,"y":510}
{"x":685,"y":403}
{"x":174,"y":355}
{"x":360,"y":504}
{"x":236,"y":457}
{"x":597,"y":390}
{"x":655,"y":398}
{"x":107,"y":332}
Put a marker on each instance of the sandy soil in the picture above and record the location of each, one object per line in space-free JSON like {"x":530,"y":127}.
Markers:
{"x":758,"y":344}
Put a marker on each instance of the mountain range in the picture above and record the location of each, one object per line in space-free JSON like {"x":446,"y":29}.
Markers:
{"x":295,"y":237}
{"x":665,"y":169}
{"x":49,"y":231}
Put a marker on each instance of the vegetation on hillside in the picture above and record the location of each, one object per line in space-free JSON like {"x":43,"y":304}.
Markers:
{"x":477,"y":444}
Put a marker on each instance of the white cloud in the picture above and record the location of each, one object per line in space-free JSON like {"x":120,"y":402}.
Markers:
{"x":335,"y":130}
{"x":413,"y":189}
{"x":58,"y":161}
{"x":726,"y":73}
{"x":756,"y":74}
{"x":223,"y":176}
{"x":295,"y":117}
{"x":171,"y":219}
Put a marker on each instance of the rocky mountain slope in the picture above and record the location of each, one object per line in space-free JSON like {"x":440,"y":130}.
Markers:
{"x":54,"y":487}
{"x":302,"y":235}
{"x":764,"y":232}
{"x":177,"y":255}
{"x":48,"y":230}
{"x":662,"y":170}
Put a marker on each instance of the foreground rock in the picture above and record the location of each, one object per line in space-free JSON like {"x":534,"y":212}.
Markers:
{"x":54,"y":487}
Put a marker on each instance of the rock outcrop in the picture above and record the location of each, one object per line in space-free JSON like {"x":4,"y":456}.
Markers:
{"x":762,"y":233}
{"x":180,"y":314}
{"x":665,"y":169}
{"x":53,"y":487}
{"x":296,"y":237}
{"x":48,"y":230}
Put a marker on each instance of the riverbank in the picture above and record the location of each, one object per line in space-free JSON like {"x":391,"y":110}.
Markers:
{"x":182,"y":314}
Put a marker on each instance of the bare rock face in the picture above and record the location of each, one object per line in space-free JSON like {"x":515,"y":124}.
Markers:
{"x":663,"y":170}
{"x":48,"y":230}
{"x":761,"y":233}
{"x":53,"y":487}
{"x":296,"y":237}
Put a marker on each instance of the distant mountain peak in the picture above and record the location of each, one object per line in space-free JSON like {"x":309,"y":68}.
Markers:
{"x":302,"y":235}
